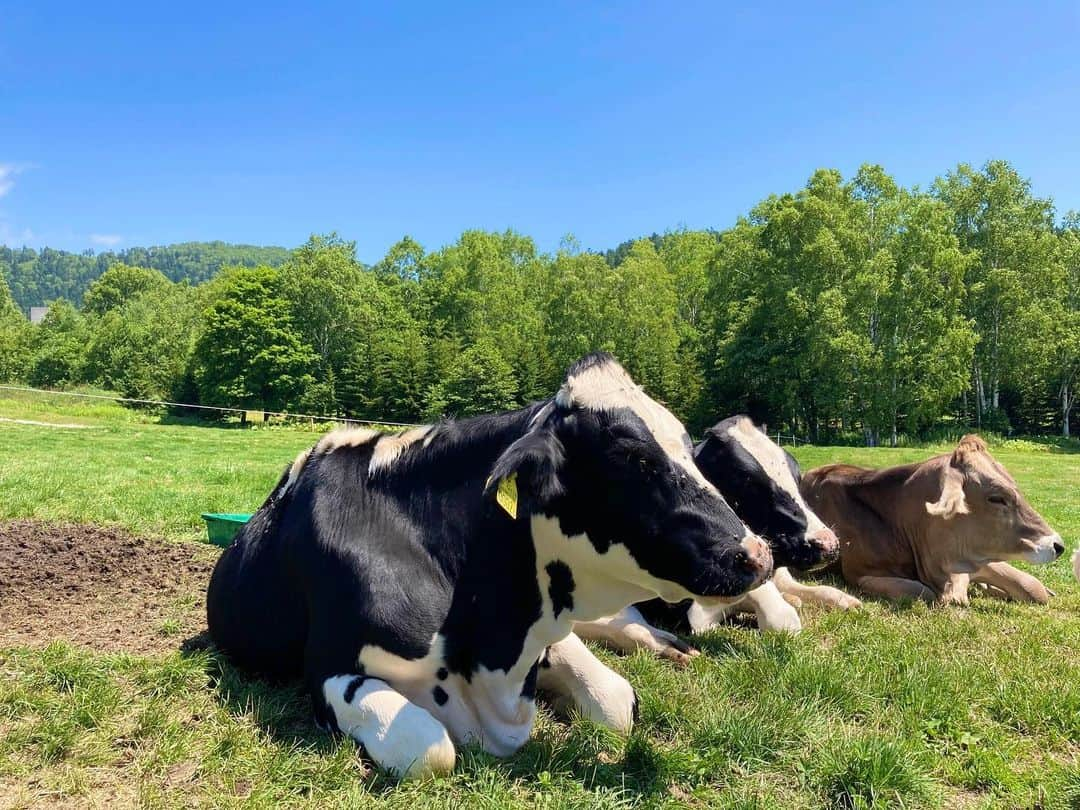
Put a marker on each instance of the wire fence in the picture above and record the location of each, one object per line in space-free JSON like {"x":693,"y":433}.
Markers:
{"x":794,"y":441}
{"x":161,"y":403}
{"x":780,"y":438}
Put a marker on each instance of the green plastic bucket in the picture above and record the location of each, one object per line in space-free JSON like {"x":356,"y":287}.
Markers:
{"x":221,"y":528}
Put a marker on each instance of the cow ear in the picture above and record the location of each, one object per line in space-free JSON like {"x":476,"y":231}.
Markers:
{"x":952,"y":501}
{"x":533,"y":462}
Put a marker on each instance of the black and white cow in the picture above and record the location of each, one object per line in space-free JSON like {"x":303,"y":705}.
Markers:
{"x":759,"y":480}
{"x":425,"y":584}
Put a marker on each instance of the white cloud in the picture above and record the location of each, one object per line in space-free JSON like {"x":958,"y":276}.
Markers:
{"x":8,"y":172}
{"x":7,"y":177}
{"x":106,"y":239}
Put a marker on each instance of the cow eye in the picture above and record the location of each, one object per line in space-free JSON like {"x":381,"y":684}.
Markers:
{"x":996,"y":499}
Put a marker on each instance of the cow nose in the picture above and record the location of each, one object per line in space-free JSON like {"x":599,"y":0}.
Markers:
{"x":759,"y":556}
{"x":826,"y":541}
{"x":1059,"y":549}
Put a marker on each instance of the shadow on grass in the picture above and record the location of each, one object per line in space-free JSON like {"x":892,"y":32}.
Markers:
{"x":726,"y":645}
{"x":179,"y":420}
{"x":282,"y":710}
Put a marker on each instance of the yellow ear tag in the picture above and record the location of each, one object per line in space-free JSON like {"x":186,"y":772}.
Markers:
{"x":506,"y":495}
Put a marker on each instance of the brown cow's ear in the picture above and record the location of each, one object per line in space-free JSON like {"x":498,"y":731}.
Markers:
{"x":952,"y":501}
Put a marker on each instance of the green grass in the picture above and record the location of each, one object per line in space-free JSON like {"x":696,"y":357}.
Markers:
{"x":886,"y":707}
{"x":124,"y":468}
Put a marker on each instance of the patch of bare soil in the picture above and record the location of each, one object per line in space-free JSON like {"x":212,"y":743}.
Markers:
{"x":99,"y":587}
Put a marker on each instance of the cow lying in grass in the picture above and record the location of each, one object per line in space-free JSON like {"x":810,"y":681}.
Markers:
{"x":759,"y":480}
{"x":425,"y":584}
{"x":927,"y":530}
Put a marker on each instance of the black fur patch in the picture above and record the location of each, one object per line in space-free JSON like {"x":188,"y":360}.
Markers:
{"x":760,"y":501}
{"x":354,"y":684}
{"x":440,"y":695}
{"x":325,"y":719}
{"x":561,"y":589}
{"x":528,"y":690}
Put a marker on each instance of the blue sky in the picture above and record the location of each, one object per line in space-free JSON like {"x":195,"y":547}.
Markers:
{"x":149,"y":123}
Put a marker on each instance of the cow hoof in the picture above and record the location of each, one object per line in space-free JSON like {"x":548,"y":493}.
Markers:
{"x":1040,"y":596}
{"x":681,"y":655}
{"x":847,"y":602}
{"x":792,"y":600}
{"x":675,"y":649}
{"x":954,"y":601}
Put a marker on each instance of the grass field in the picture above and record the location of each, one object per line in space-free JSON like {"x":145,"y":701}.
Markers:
{"x":888,"y":706}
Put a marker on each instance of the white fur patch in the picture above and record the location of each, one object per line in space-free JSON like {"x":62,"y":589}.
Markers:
{"x":1042,"y":550}
{"x":607,"y":386}
{"x":582,"y":681}
{"x":702,"y":618}
{"x":294,"y":471}
{"x":399,"y":735}
{"x":345,"y":437}
{"x":487,"y":709}
{"x":772,"y":610}
{"x":628,"y":630}
{"x":603,"y":583}
{"x":391,"y":445}
{"x":820,"y":594}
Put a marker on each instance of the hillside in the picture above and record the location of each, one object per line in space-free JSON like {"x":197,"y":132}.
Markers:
{"x":37,"y":277}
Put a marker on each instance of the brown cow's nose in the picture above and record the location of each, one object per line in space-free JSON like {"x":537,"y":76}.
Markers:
{"x":826,"y":541}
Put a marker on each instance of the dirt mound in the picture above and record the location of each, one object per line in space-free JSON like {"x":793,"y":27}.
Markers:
{"x":99,"y":587}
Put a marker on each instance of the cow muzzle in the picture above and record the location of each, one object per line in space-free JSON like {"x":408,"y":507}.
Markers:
{"x":826,"y":543}
{"x":759,"y":557}
{"x":1044,"y":550}
{"x":752,"y":567}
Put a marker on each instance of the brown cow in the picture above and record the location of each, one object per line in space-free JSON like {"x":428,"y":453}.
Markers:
{"x":926,"y":530}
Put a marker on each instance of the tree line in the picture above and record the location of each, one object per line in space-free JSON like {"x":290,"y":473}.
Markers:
{"x":37,"y":277}
{"x":851,"y":309}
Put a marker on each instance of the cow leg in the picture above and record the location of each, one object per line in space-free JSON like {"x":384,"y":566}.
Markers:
{"x":897,"y":588}
{"x":822,"y":594}
{"x":955,"y":591}
{"x":773,"y":612}
{"x":996,"y":593}
{"x":627,"y":631}
{"x":575,"y":678}
{"x":1016,"y":584}
{"x":398,"y":735}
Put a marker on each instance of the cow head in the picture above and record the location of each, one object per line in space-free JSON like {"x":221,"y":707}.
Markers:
{"x":606,"y":476}
{"x":761,"y":482}
{"x":986,"y":511}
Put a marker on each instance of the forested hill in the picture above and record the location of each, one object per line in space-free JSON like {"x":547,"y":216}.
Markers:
{"x":36,"y":277}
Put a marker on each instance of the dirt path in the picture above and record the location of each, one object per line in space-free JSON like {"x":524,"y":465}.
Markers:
{"x":45,"y":424}
{"x":99,"y":588}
